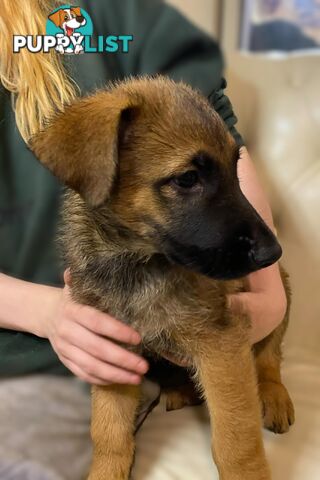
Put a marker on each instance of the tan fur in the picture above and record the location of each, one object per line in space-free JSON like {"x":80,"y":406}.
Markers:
{"x":113,"y":249}
{"x":277,"y":407}
{"x":112,"y":428}
{"x":87,"y":167}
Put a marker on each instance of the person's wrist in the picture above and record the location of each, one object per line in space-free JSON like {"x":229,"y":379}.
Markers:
{"x":51,"y":300}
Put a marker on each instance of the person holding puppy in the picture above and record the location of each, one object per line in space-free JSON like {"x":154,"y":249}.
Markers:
{"x":42,"y":330}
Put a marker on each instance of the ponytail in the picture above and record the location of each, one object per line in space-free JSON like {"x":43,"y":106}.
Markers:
{"x":38,"y":82}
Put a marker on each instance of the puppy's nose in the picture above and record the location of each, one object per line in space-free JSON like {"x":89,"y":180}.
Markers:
{"x":266,"y":255}
{"x":80,"y":19}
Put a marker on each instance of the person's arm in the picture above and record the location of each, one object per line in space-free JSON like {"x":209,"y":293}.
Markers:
{"x":83,"y":338}
{"x":265,"y":300}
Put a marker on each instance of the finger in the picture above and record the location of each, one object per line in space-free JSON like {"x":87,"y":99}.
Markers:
{"x":243,"y":152}
{"x":237,"y":303}
{"x":105,"y":350}
{"x":67,"y":277}
{"x":78,"y":372}
{"x":105,"y":325}
{"x":98,"y":369}
{"x":250,"y":304}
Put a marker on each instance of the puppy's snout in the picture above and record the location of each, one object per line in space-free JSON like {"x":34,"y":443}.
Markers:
{"x":266,"y":254}
{"x":265,"y":248}
{"x":80,"y":18}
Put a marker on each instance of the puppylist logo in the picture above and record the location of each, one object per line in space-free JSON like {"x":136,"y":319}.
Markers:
{"x":69,"y":30}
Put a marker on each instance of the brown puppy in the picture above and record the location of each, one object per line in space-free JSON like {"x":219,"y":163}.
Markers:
{"x":156,"y":232}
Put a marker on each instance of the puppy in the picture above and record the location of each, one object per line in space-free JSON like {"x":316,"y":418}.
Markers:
{"x":69,"y":19}
{"x":157,"y":233}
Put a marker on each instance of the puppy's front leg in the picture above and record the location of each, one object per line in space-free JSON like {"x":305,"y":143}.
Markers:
{"x":227,"y":375}
{"x":114,"y":409}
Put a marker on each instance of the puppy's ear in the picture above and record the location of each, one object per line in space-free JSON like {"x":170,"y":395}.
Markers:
{"x":56,"y":18}
{"x":77,"y":11}
{"x":80,"y":147}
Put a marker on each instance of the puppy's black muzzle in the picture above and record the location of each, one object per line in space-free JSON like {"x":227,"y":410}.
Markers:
{"x":235,"y":260}
{"x":227,"y":243}
{"x":266,"y":253}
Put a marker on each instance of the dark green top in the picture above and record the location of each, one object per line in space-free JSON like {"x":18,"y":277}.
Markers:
{"x":164,"y":42}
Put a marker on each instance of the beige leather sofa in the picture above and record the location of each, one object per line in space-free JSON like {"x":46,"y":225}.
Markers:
{"x":278,"y":103}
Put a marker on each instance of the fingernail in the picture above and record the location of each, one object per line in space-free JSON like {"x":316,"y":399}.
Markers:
{"x":228,"y":303}
{"x":136,"y":339}
{"x":143,"y":367}
{"x":135,"y":379}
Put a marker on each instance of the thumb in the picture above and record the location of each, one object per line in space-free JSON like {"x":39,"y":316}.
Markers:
{"x":239,"y":302}
{"x":67,"y":277}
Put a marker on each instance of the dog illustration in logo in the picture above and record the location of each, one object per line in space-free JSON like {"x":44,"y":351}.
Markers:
{"x":69,"y":19}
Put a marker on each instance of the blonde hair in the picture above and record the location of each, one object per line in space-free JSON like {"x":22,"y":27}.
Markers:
{"x":38,"y":82}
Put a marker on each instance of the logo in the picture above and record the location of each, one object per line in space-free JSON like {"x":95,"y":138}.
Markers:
{"x":69,"y":25}
{"x":69,"y":30}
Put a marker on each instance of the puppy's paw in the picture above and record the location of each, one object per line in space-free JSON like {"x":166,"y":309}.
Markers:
{"x":277,"y":407}
{"x":185,"y":396}
{"x":114,"y":466}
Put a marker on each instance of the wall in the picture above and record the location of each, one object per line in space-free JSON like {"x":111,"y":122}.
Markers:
{"x":220,"y":18}
{"x":205,"y":13}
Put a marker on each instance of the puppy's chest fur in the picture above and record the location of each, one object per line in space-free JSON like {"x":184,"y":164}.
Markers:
{"x":160,"y":300}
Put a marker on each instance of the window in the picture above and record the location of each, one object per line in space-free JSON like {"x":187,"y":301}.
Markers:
{"x":280,"y":25}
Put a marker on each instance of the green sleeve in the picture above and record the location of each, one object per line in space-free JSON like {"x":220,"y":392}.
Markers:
{"x":164,"y":42}
{"x":222,"y":105}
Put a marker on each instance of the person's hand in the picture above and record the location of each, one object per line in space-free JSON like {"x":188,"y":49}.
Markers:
{"x":84,"y":340}
{"x":265,"y":300}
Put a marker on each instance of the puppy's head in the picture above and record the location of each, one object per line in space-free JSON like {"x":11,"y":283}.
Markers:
{"x":68,"y":17}
{"x":159,"y":157}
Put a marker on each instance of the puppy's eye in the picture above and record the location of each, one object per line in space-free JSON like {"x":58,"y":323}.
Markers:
{"x":187,"y":180}
{"x":66,"y":17}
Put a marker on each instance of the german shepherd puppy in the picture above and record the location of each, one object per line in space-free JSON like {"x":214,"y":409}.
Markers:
{"x":157,"y":233}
